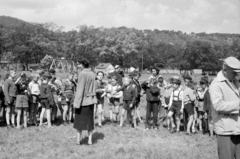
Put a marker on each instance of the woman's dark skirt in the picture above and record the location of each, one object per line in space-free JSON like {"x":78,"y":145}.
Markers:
{"x":84,"y":119}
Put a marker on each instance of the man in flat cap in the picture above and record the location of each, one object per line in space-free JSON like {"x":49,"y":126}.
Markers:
{"x":225,"y":97}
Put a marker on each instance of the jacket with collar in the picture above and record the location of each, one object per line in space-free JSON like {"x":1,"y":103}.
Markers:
{"x":86,"y":89}
{"x":226,"y":103}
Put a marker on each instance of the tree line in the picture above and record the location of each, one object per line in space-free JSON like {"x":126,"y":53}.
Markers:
{"x":29,"y":43}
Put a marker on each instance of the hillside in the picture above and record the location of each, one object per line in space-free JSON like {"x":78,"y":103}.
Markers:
{"x":8,"y":21}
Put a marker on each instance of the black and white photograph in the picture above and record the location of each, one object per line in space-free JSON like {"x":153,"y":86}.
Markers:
{"x":120,"y":79}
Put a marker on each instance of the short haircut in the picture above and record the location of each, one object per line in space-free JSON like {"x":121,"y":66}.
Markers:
{"x":100,"y":72}
{"x":115,"y":78}
{"x":155,"y":68}
{"x":84,"y":62}
{"x":52,"y":71}
{"x":188,"y":78}
{"x":46,"y":76}
{"x":177,"y":82}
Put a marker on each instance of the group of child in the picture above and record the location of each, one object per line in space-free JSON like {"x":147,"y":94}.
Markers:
{"x":168,"y":101}
{"x":34,"y":96}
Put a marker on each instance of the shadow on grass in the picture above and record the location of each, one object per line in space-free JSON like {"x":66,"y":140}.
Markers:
{"x":95,"y":137}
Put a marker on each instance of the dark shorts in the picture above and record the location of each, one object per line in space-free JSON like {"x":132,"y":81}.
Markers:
{"x":176,"y":107}
{"x":199,"y":112}
{"x":22,"y":101}
{"x":114,"y":101}
{"x":114,"y":104}
{"x":1,"y":103}
{"x":167,"y":100}
{"x":126,"y":105}
{"x":45,"y":103}
{"x":68,"y":99}
{"x":189,"y":109}
{"x":12,"y":102}
{"x":33,"y":99}
{"x":100,"y":100}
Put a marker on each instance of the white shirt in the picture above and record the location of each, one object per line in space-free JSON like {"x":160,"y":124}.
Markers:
{"x":34,"y":88}
{"x":177,"y":95}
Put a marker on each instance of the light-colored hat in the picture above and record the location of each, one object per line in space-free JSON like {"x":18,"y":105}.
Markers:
{"x":233,"y":62}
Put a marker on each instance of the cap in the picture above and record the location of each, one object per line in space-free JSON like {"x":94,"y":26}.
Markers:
{"x":233,"y":62}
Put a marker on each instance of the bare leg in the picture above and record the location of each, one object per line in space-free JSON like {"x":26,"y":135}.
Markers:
{"x":41,"y":116}
{"x":90,"y":137}
{"x":111,"y":114}
{"x":19,"y":112}
{"x":200,"y":122}
{"x":138,"y":114}
{"x":25,"y":117}
{"x":8,"y":115}
{"x":79,"y":137}
{"x":170,"y":119}
{"x":211,"y":129}
{"x":178,"y":122}
{"x":65,"y":110}
{"x":49,"y":117}
{"x":134,"y":118}
{"x":99,"y":107}
{"x":189,"y":125}
{"x":70,"y":113}
{"x":122,"y":117}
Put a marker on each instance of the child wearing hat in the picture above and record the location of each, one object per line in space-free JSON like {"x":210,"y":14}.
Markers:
{"x":176,"y":105}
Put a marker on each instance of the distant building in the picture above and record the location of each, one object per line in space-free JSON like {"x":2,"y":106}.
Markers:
{"x":104,"y":67}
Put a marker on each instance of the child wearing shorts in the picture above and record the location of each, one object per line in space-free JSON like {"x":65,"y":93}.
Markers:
{"x":46,"y":100}
{"x":114,"y":99}
{"x":129,"y":98}
{"x":176,"y":105}
{"x":165,"y":100}
{"x":22,"y":100}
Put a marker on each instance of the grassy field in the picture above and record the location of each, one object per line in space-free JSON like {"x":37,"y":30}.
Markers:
{"x":109,"y":142}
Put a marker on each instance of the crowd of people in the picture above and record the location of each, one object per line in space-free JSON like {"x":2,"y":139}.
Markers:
{"x":83,"y":96}
{"x":25,"y":100}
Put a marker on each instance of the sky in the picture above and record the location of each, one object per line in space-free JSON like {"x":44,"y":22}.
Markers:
{"x":210,"y":16}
